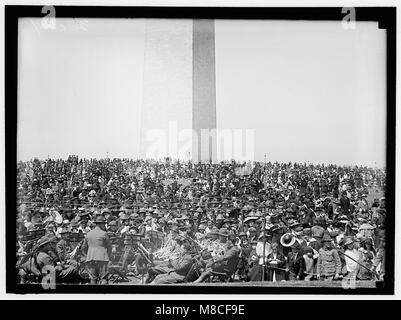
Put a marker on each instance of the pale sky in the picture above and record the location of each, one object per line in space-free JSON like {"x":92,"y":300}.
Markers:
{"x":312,"y":91}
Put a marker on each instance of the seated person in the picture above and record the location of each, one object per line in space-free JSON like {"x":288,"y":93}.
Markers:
{"x":163,"y":267}
{"x":220,"y":263}
{"x":44,"y":259}
{"x":179,"y":267}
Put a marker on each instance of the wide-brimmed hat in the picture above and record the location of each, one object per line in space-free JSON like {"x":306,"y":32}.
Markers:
{"x":112,"y":223}
{"x":84,"y":214}
{"x":293,"y":224}
{"x":124,"y":217}
{"x":250,"y":218}
{"x":134,"y":216}
{"x":99,"y":219}
{"x":276,"y":227}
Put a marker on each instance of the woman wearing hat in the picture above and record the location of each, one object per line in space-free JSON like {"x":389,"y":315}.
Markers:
{"x":252,"y":234}
{"x":368,"y":255}
{"x":255,"y":274}
{"x":351,"y":254}
{"x":276,"y":264}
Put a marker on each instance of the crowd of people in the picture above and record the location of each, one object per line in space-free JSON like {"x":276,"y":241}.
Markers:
{"x":99,"y":220}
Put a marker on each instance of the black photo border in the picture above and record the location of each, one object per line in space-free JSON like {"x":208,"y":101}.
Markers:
{"x":386,"y":18}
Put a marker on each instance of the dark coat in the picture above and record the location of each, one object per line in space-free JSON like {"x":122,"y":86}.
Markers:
{"x":280,"y":274}
{"x":345,"y":204}
{"x":294,"y":264}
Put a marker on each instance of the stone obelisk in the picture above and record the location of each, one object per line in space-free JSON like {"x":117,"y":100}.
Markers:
{"x":204,"y":90}
{"x":179,"y":95}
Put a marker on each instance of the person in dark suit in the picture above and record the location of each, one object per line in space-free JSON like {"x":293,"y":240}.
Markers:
{"x":294,"y":262}
{"x":276,"y":263}
{"x":98,"y":255}
{"x":334,"y":185}
{"x":345,"y":203}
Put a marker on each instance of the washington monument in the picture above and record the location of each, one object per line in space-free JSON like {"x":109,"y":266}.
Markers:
{"x":180,"y":87}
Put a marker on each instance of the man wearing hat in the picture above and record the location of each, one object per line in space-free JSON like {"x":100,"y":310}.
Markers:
{"x":99,"y":251}
{"x":179,"y":267}
{"x":317,"y":231}
{"x":44,"y":259}
{"x":199,"y":235}
{"x":308,"y":240}
{"x":161,"y":267}
{"x":125,"y":225}
{"x":83,"y":226}
{"x":221,"y":262}
{"x":112,"y":226}
{"x":294,"y":262}
{"x":63,"y":247}
{"x":328,"y":263}
{"x":245,"y":250}
{"x":219,"y":220}
{"x":148,"y":223}
{"x":30,"y":265}
{"x":276,"y":264}
{"x":253,"y":257}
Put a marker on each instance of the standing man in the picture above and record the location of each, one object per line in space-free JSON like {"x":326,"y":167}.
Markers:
{"x":295,"y":262}
{"x":99,"y":251}
{"x":328,"y":263}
